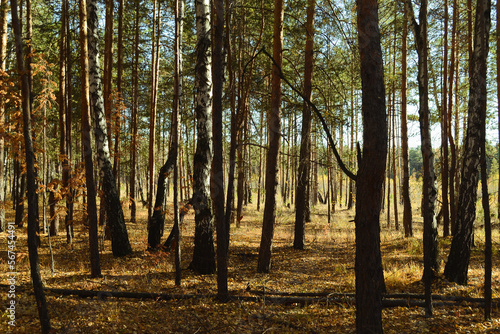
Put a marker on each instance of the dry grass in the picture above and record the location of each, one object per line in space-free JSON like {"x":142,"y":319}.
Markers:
{"x":327,"y":265}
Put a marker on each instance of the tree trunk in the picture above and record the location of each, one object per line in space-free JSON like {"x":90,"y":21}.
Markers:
{"x":458,"y":259}
{"x":157,"y":219}
{"x":368,"y":266}
{"x":451,"y":93}
{"x":152,"y":118}
{"x":87,"y":146}
{"x":274,"y":133}
{"x":203,"y":254}
{"x":119,"y":237}
{"x":302,"y":196}
{"x":444,"y":131}
{"x":217,"y":181}
{"x":429,"y":190}
{"x":133,"y":121}
{"x":179,"y":20}
{"x":31,"y":176}
{"x":3,"y":54}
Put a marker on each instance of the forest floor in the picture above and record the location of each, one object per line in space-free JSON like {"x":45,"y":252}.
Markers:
{"x":325,"y":267}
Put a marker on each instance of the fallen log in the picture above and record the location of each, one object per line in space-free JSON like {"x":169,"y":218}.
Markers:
{"x":396,"y":300}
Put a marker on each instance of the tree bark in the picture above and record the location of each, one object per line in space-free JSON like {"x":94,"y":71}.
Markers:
{"x":133,"y":120}
{"x":119,"y":237}
{"x":431,"y":264}
{"x":302,"y":195}
{"x":217,"y":180}
{"x":274,"y":133}
{"x":368,"y":266}
{"x":87,"y":146}
{"x":203,"y":253}
{"x":458,"y":260}
{"x":157,"y":219}
{"x":31,"y":175}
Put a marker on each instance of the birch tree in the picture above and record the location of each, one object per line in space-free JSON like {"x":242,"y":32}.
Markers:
{"x":119,"y":237}
{"x":204,"y":252}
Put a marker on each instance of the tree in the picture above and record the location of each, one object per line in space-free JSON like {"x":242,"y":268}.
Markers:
{"x":368,"y":266}
{"x":407,"y":214}
{"x":87,"y":145}
{"x":302,"y":194}
{"x":203,"y":252}
{"x":119,"y":237}
{"x":458,"y":260}
{"x":217,"y":181}
{"x":134,"y":118}
{"x":429,"y":191}
{"x":36,"y":279}
{"x":274,"y":134}
{"x":3,"y":54}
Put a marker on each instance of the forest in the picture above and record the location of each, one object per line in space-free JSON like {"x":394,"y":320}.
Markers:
{"x":298,"y":166}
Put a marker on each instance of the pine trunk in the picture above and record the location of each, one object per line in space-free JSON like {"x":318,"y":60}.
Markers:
{"x":368,"y":265}
{"x":274,"y":133}
{"x":302,"y":196}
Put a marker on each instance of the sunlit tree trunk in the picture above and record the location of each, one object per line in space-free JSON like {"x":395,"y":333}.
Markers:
{"x":134,"y":119}
{"x":458,"y":260}
{"x":274,"y":133}
{"x":368,"y":266}
{"x":203,"y":252}
{"x":87,"y":145}
{"x":119,"y":236}
{"x":444,"y":131}
{"x":302,"y":195}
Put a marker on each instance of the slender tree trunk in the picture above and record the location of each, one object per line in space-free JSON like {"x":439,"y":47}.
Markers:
{"x":203,"y":253}
{"x":135,"y":107}
{"x":487,"y":221}
{"x":3,"y":54}
{"x":178,"y":71}
{"x":31,"y":175}
{"x":453,"y":163}
{"x":87,"y":146}
{"x":217,"y":181}
{"x":444,"y":131}
{"x":431,"y":264}
{"x":108,"y":64}
{"x":274,"y":133}
{"x":302,"y":198}
{"x":458,"y":259}
{"x":119,"y":237}
{"x":152,"y":120}
{"x":119,"y":74}
{"x":368,"y":266}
